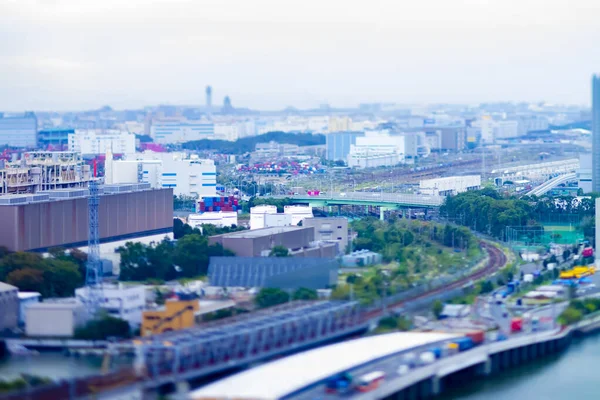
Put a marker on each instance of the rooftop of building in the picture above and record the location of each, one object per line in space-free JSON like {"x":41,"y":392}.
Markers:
{"x":5,"y":287}
{"x":292,"y":374}
{"x":256,"y":233}
{"x":29,"y":295}
{"x":57,"y":304}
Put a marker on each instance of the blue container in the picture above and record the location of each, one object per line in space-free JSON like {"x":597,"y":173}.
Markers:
{"x":234,"y":208}
{"x":464,"y":343}
{"x":436,"y":351}
{"x":205,"y":208}
{"x":217,"y":208}
{"x":226,"y":199}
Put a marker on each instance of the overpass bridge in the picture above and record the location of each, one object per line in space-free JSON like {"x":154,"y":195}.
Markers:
{"x":552,"y":183}
{"x":385,"y":201}
{"x":290,"y":378}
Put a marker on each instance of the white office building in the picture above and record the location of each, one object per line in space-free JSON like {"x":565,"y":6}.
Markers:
{"x":189,"y":176}
{"x":378,"y":149}
{"x":450,"y":185}
{"x":92,"y":141}
{"x":181,"y":131}
{"x":506,"y":129}
{"x":118,"y":300}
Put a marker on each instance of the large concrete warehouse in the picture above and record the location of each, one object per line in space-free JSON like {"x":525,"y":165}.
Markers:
{"x":36,"y":222}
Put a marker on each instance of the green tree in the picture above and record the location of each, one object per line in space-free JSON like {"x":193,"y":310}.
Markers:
{"x":62,"y":278}
{"x":191,"y":255}
{"x":570,"y":316}
{"x":437,"y":308}
{"x":103,"y":328}
{"x":279,"y":251}
{"x":305,"y":294}
{"x":268,"y":297}
{"x":19,"y":260}
{"x":28,"y":280}
{"x":134,"y":262}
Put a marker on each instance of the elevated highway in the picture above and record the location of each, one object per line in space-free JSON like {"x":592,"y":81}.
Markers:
{"x":552,"y":183}
{"x":385,"y":201}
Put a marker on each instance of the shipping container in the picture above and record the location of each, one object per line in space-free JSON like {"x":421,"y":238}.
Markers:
{"x":464,"y":344}
{"x":516,"y":325}
{"x":437,"y":351}
{"x":477,"y":337}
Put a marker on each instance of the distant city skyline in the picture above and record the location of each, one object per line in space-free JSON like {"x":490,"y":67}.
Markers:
{"x":267,"y":54}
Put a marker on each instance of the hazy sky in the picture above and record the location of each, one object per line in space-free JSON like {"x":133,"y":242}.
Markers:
{"x":77,"y":54}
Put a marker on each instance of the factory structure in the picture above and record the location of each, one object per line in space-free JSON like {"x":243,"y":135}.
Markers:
{"x":39,"y":171}
{"x":44,"y":204}
{"x":37,"y":222}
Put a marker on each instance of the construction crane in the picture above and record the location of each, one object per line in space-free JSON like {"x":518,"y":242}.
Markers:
{"x":93,"y":275}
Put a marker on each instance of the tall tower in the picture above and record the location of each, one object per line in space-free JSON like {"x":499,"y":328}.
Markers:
{"x":93,"y":273}
{"x":208,"y":97}
{"x":596,"y":133}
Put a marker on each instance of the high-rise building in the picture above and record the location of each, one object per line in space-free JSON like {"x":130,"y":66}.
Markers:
{"x":338,"y":144}
{"x":596,"y":133}
{"x":208,"y":97}
{"x":18,"y":130}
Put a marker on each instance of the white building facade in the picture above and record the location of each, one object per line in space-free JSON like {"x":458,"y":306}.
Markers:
{"x":187,"y":176}
{"x":99,"y":142}
{"x":118,"y":300}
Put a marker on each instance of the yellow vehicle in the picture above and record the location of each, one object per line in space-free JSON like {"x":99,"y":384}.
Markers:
{"x":577,"y":272}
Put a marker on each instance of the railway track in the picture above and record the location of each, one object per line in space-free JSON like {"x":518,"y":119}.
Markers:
{"x":496,"y":260}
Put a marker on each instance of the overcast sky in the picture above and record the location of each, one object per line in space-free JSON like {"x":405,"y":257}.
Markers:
{"x":265,"y":54}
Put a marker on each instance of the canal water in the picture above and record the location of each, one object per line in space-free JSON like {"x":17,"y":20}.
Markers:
{"x":571,"y":375}
{"x":49,"y":365}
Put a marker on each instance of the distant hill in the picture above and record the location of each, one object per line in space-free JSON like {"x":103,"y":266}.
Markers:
{"x":247,"y":144}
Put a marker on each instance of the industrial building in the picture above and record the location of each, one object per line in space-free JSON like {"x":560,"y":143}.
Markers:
{"x":18,"y":130}
{"x":175,"y":315}
{"x":300,"y":242}
{"x":55,"y":138}
{"x":189,"y":176}
{"x":331,"y":229}
{"x":25,"y":299}
{"x":54,"y":318}
{"x":298,"y":213}
{"x":94,"y":142}
{"x":120,"y":301}
{"x":216,"y":218}
{"x":60,"y":217}
{"x":273,"y":272}
{"x":361,"y":258}
{"x":257,"y":215}
{"x":449,"y":185}
{"x":9,"y":306}
{"x":39,"y":171}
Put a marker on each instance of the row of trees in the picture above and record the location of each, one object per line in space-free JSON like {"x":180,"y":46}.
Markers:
{"x":269,"y":297}
{"x":167,"y":260}
{"x":487,"y":212}
{"x":55,"y":276}
{"x":392,"y":238}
